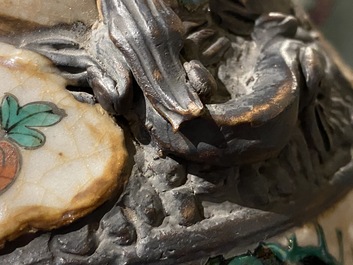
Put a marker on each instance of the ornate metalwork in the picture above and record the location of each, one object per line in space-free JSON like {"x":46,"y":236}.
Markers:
{"x":233,"y":113}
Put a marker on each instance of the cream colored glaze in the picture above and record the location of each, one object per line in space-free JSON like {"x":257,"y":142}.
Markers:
{"x":81,"y":163}
{"x":45,"y":12}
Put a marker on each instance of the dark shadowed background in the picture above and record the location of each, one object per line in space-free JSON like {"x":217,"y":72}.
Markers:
{"x":335,"y":19}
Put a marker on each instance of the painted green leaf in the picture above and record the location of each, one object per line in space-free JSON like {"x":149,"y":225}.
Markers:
{"x":17,"y":121}
{"x":9,"y":108}
{"x":27,"y":138}
{"x":37,"y":115}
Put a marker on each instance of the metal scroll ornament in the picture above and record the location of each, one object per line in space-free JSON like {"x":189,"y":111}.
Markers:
{"x":238,"y":124}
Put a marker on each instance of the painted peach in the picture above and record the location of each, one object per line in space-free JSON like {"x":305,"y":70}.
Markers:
{"x":9,"y":163}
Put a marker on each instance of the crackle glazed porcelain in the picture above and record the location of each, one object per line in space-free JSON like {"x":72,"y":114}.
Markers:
{"x":60,"y":158}
{"x":172,"y":132}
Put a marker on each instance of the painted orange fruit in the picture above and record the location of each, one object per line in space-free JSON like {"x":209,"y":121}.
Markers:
{"x":17,"y":124}
{"x":10,"y":158}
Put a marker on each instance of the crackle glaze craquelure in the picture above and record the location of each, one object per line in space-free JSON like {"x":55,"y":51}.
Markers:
{"x":237,"y":119}
{"x":60,"y":158}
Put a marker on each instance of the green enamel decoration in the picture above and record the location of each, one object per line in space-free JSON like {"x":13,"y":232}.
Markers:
{"x":294,"y":253}
{"x":9,"y":109}
{"x":27,"y":138}
{"x":17,"y":121}
{"x":291,"y":254}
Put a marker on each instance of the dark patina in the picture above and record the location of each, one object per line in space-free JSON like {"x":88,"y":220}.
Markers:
{"x":231,"y":113}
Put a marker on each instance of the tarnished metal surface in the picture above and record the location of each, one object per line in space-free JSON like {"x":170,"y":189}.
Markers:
{"x":238,"y":123}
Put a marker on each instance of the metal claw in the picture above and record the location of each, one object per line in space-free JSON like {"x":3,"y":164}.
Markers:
{"x":150,"y":36}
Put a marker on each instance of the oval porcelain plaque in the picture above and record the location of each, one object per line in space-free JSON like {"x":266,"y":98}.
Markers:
{"x":59,"y":158}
